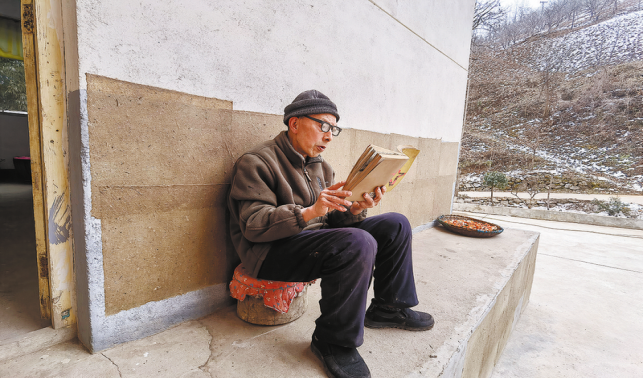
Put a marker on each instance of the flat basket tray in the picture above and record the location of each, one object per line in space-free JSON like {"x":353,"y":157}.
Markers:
{"x":467,"y":231}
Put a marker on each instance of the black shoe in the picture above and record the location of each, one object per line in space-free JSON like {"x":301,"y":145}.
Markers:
{"x":340,"y":362}
{"x":404,"y":318}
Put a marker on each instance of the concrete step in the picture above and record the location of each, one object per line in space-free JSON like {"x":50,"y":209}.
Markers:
{"x":35,"y":341}
{"x":475,"y":288}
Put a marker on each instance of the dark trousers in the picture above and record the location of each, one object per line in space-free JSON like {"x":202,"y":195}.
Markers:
{"x":344,"y":259}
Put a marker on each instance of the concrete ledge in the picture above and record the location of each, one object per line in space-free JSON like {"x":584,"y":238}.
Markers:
{"x":35,"y":341}
{"x":488,"y":286}
{"x":475,"y":288}
{"x":558,"y":216}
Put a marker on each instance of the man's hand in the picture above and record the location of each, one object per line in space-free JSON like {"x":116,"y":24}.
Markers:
{"x":358,"y":206}
{"x":329,"y":198}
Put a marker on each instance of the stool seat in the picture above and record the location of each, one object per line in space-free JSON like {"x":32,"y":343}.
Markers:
{"x":268,"y":302}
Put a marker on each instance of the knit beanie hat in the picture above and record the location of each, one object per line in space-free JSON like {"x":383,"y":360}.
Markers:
{"x":310,"y":102}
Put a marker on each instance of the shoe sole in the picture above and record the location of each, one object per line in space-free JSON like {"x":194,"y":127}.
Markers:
{"x":318,"y":354}
{"x":370,"y":324}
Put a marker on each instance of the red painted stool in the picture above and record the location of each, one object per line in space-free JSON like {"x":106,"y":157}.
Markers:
{"x":267,"y":302}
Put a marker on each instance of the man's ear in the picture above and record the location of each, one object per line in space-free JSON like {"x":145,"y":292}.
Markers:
{"x":293,"y":125}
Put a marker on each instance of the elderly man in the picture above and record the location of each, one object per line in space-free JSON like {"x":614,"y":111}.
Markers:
{"x":291,"y":222}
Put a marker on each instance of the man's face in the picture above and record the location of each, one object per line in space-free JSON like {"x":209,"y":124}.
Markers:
{"x":306,"y":135}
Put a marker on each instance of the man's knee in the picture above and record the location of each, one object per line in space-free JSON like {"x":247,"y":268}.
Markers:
{"x":400,"y":220}
{"x":360,"y":242}
{"x":394,"y":224}
{"x":355,"y":246}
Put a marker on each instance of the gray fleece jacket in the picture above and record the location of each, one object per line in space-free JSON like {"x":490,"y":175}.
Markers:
{"x":271,"y":185}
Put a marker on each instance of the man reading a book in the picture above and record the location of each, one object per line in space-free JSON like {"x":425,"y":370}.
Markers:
{"x":290,"y":221}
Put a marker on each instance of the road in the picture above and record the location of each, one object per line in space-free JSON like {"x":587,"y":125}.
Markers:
{"x":583,"y":316}
{"x":638,"y":199}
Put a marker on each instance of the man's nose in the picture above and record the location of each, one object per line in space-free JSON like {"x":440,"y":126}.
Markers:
{"x":328,"y":135}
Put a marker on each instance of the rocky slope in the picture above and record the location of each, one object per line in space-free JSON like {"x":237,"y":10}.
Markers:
{"x":566,"y":106}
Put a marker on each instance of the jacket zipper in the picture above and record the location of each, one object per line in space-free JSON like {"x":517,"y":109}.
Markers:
{"x":312,"y":192}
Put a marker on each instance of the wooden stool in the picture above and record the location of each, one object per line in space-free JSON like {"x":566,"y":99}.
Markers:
{"x":267,"y":302}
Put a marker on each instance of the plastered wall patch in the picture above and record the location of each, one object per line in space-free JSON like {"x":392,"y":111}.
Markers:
{"x":160,"y":165}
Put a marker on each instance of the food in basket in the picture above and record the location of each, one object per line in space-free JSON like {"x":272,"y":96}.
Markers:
{"x":472,"y":224}
{"x":469,"y":226}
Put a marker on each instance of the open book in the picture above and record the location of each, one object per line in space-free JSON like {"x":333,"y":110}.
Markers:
{"x":379,"y":167}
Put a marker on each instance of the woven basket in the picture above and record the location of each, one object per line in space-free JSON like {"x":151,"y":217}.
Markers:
{"x":442,"y":219}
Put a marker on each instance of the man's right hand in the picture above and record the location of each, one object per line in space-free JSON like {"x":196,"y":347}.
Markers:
{"x":329,"y":198}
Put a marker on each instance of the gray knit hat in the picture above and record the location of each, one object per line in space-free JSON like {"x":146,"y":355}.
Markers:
{"x":310,"y":102}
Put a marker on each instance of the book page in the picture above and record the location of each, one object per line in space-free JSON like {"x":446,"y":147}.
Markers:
{"x":378,"y":176}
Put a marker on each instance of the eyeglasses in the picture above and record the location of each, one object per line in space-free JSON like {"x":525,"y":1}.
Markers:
{"x":326,"y":127}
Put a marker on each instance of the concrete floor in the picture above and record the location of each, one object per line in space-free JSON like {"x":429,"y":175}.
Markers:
{"x":19,"y":308}
{"x":583,"y":320}
{"x":584,"y":314}
{"x":458,"y":279}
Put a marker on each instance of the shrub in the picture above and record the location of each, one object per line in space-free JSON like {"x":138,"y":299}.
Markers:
{"x":613,"y":207}
{"x":495,"y":179}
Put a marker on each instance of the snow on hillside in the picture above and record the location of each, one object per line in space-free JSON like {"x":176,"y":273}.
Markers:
{"x":617,"y":40}
{"x":573,"y":158}
{"x":567,"y":124}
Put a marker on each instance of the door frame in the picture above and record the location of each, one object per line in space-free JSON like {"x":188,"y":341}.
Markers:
{"x":44,"y":61}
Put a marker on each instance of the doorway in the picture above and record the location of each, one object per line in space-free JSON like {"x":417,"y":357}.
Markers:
{"x":19,"y":303}
{"x":20,"y":310}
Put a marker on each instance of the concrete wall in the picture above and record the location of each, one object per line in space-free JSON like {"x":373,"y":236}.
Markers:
{"x":389,"y":65}
{"x":14,"y":138}
{"x":161,"y":163}
{"x":488,"y":340}
{"x":157,"y":136}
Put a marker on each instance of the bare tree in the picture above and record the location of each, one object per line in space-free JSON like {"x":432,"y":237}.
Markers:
{"x":506,"y":34}
{"x":549,"y":185}
{"x":531,"y":22}
{"x":532,"y":138}
{"x":528,"y":185}
{"x":512,"y":33}
{"x":554,"y":14}
{"x":487,"y":14}
{"x":594,"y":8}
{"x":572,"y":8}
{"x":535,"y":131}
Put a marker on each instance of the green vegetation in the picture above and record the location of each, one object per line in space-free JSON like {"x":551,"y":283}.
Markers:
{"x":13,"y":94}
{"x":495,"y":179}
{"x":613,"y":207}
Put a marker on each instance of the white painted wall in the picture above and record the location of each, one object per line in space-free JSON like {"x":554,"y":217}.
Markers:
{"x":391,"y":66}
{"x":444,"y":25}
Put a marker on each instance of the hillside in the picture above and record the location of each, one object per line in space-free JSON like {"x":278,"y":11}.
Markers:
{"x":563,"y":106}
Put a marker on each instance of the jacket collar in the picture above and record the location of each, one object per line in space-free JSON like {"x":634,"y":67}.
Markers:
{"x":296,"y":159}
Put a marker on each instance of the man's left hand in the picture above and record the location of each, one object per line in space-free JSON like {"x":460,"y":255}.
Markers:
{"x":358,"y":206}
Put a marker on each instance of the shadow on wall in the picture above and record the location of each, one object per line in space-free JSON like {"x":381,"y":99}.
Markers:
{"x":160,"y":167}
